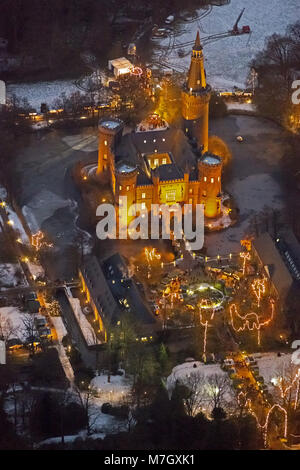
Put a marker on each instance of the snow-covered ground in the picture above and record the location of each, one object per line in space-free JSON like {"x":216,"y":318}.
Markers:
{"x":271,"y":365}
{"x":36,"y":270}
{"x":12,"y":318}
{"x":42,"y":92}
{"x":231,"y":106}
{"x":208,"y":374}
{"x":113,"y":391}
{"x":11,"y":275}
{"x":227,"y":60}
{"x":17,"y":225}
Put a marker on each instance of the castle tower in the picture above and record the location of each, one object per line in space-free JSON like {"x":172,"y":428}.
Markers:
{"x":195,"y":99}
{"x":110,"y":134}
{"x":126,"y":179}
{"x":209,"y":175}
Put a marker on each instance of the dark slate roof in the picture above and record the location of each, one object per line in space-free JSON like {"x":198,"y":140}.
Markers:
{"x":162,"y":141}
{"x":132,"y":145}
{"x":169,"y":172}
{"x":109,"y":296}
{"x":124,"y":288}
{"x":273,"y":263}
{"x":143,"y":179}
{"x":289,"y":248}
{"x":99,"y":289}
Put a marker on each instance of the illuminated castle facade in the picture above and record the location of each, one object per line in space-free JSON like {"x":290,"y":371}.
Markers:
{"x":157,"y":165}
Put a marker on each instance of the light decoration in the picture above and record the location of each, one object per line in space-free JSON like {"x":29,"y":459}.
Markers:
{"x":136,"y":71}
{"x":251,"y":321}
{"x":204,"y":321}
{"x":36,"y":239}
{"x":259,"y":289}
{"x":245,"y":255}
{"x":285,"y":390}
{"x":264,"y":427}
{"x":151,"y":254}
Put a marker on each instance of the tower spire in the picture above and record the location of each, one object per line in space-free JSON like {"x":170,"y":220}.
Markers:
{"x":197,"y":45}
{"x":196,"y":76}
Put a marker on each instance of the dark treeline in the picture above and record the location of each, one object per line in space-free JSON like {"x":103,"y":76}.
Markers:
{"x":49,"y":36}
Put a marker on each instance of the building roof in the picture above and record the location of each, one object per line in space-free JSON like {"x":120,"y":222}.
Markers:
{"x":274,"y":265}
{"x":99,"y":289}
{"x":197,"y":45}
{"x":172,"y":141}
{"x":289,"y":248}
{"x":121,"y":63}
{"x":124,"y":288}
{"x":143,"y":179}
{"x":169,"y":172}
{"x":113,"y":291}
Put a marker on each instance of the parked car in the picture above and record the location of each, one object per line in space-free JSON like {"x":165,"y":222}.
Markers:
{"x":250,"y":360}
{"x":228,"y":362}
{"x":40,"y":321}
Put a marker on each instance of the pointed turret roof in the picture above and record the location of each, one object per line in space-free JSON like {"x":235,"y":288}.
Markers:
{"x":197,"y":45}
{"x":196,"y":76}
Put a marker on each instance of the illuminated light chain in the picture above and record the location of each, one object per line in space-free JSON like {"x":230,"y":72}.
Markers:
{"x":264,"y":427}
{"x":259,"y":289}
{"x":283,"y":392}
{"x":204,"y":322}
{"x":246,"y":257}
{"x":151,"y":254}
{"x":36,"y":239}
{"x":249,"y":318}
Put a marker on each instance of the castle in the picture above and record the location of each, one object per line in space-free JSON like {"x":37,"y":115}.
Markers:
{"x":158,"y":166}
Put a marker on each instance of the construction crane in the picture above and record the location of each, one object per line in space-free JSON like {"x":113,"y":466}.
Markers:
{"x":232,"y":32}
{"x":235,"y":31}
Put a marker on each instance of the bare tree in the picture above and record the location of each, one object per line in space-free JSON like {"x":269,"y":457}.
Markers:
{"x":29,"y":330}
{"x":7,"y":329}
{"x":90,"y":410}
{"x":219,"y":387}
{"x":195,"y":383}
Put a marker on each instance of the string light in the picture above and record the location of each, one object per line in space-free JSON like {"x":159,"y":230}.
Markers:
{"x":251,"y":321}
{"x":203,"y":305}
{"x":259,"y":288}
{"x":264,"y":427}
{"x":245,"y":255}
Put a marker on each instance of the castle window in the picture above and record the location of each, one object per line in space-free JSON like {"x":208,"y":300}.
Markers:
{"x":190,"y":201}
{"x":105,"y":142}
{"x":186,"y":130}
{"x":105,"y":156}
{"x":143,"y":195}
{"x":143,"y":205}
{"x":205,"y":179}
{"x":164,"y":161}
{"x":198,"y":82}
{"x":190,"y":190}
{"x":212,"y":180}
{"x":127,"y":188}
{"x":219,"y":178}
{"x":156,"y":162}
{"x":120,"y":188}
